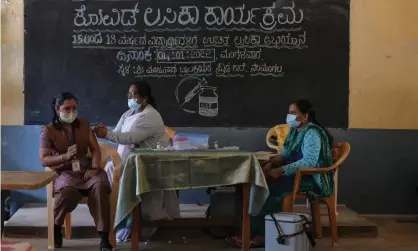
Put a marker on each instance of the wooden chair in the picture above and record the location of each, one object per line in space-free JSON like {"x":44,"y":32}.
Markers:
{"x":107,"y":152}
{"x":279,"y":131}
{"x":340,"y":152}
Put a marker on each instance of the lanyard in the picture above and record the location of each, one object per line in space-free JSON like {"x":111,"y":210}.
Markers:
{"x":73,"y":138}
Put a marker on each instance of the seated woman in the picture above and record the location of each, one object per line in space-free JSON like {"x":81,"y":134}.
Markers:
{"x":64,"y":145}
{"x":141,"y":126}
{"x":308,"y":145}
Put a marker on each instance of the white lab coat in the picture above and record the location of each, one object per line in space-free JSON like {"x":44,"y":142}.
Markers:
{"x":145,"y":129}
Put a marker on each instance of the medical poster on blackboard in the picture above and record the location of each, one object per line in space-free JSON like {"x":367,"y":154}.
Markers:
{"x":209,"y":63}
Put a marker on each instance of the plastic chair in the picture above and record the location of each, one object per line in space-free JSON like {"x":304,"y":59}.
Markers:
{"x":107,"y":152}
{"x":340,"y":151}
{"x":280,"y":132}
{"x":170,"y":132}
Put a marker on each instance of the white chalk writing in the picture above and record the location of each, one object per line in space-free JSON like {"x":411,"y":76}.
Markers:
{"x":266,"y":70}
{"x":188,"y":15}
{"x":124,"y":17}
{"x":151,"y":42}
{"x":188,"y":56}
{"x":238,"y":17}
{"x":134,"y":55}
{"x":240,"y":54}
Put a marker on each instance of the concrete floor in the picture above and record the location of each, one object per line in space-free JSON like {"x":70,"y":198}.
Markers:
{"x":30,"y":222}
{"x":393,"y":236}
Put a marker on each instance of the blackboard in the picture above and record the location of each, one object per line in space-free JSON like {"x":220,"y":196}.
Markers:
{"x":209,"y":63}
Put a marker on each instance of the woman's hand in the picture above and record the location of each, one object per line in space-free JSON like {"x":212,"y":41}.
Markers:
{"x":71,"y":153}
{"x":267,"y":168}
{"x":276,"y":173}
{"x":100,"y":131}
{"x":89,"y":174}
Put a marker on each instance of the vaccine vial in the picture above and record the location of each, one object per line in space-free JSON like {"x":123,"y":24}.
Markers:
{"x":208,"y":102}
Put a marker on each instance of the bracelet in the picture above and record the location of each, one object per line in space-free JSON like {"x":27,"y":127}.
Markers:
{"x":62,"y":158}
{"x":95,"y":166}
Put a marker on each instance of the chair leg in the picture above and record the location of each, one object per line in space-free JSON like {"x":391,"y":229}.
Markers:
{"x":50,"y":202}
{"x":316,"y":218}
{"x":288,"y":204}
{"x":67,"y":226}
{"x":330,"y":201}
{"x":336,"y":190}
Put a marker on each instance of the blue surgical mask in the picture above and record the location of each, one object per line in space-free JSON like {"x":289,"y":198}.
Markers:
{"x":291,"y":121}
{"x":133,"y":104}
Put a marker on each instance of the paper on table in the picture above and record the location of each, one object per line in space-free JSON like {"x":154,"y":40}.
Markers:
{"x":264,"y":155}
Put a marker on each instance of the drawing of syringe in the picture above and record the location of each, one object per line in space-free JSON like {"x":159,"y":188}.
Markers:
{"x":194,"y":91}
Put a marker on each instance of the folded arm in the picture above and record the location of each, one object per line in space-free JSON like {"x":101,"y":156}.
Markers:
{"x":46,"y":157}
{"x":311,"y":148}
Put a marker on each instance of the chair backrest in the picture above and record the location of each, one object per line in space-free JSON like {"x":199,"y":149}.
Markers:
{"x":340,"y":152}
{"x":280,"y":132}
{"x":170,"y":132}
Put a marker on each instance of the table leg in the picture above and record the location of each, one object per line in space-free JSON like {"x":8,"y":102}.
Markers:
{"x":246,"y":228}
{"x":136,"y":228}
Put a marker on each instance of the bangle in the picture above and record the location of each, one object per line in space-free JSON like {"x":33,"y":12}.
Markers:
{"x":62,"y":158}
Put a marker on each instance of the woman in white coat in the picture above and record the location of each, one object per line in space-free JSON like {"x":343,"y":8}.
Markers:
{"x":141,"y":127}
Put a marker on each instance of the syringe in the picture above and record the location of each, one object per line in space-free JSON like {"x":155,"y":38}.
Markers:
{"x":194,"y":91}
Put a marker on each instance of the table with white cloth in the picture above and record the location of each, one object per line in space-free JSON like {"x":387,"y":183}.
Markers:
{"x":147,"y":171}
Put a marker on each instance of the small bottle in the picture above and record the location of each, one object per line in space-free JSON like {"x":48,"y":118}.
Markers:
{"x":158,"y":146}
{"x":215,"y":144}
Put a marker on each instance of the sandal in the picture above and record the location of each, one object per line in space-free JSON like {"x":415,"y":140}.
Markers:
{"x":236,"y":241}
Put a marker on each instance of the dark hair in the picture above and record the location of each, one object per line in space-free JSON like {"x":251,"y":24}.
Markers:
{"x":58,"y":101}
{"x":306,"y":107}
{"x":144,"y":90}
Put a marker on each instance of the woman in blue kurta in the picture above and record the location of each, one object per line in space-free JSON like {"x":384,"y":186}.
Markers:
{"x":308,"y":145}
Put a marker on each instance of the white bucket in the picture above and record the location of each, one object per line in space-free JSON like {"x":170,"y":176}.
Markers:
{"x":289,"y":224}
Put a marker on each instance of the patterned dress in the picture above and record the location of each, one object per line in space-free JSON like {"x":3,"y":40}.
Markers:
{"x":306,"y":149}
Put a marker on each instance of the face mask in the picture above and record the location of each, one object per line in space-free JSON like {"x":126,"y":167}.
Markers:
{"x":291,"y":121}
{"x":67,"y":117}
{"x":133,"y":104}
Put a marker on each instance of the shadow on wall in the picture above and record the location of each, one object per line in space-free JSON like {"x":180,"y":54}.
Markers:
{"x":379,"y":177}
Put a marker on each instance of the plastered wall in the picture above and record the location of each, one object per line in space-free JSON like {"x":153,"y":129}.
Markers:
{"x":384,"y":64}
{"x":383,"y":71}
{"x":12,"y":103}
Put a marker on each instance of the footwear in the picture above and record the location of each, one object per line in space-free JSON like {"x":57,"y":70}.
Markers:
{"x":104,"y":242}
{"x":58,"y":238}
{"x":236,"y":241}
{"x":58,"y":242}
{"x":105,"y":246}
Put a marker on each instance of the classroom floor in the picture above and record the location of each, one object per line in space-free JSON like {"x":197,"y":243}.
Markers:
{"x":392,"y":236}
